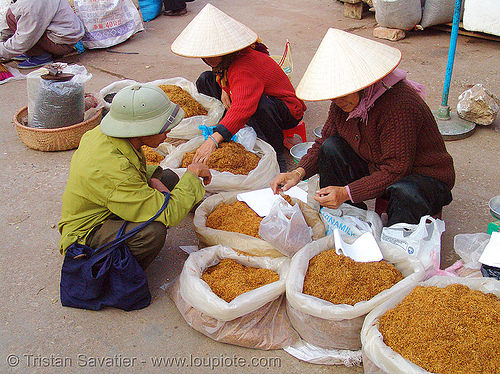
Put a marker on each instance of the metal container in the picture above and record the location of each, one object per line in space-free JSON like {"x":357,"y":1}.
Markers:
{"x":299,"y":150}
{"x":317,"y":131}
{"x":494,"y":205}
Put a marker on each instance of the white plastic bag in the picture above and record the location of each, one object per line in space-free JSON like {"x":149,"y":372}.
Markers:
{"x":247,"y":137}
{"x":113,"y":88}
{"x":4,"y":6}
{"x":258,"y":178}
{"x":482,"y":16}
{"x":470,"y":247}
{"x":254,"y":319}
{"x":107,"y":22}
{"x":378,"y":358}
{"x":305,"y":351}
{"x":33,"y":87}
{"x":285,"y":228}
{"x":351,"y":221}
{"x":210,"y":237}
{"x":422,"y":241}
{"x":331,"y":326}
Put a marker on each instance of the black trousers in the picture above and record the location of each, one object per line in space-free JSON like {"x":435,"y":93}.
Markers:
{"x":410,"y":198}
{"x":269,"y":120}
{"x":175,"y":4}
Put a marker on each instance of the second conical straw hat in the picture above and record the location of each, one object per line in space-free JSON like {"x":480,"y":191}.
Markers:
{"x":212,"y":33}
{"x":345,"y":63}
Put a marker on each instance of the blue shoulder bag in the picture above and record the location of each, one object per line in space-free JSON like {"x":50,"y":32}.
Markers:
{"x":107,"y":276}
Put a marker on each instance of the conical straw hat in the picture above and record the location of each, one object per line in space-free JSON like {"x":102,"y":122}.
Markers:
{"x":345,"y":63}
{"x":212,"y":33}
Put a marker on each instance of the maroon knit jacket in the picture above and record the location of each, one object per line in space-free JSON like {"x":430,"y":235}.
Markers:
{"x":249,"y":76}
{"x":400,"y":138}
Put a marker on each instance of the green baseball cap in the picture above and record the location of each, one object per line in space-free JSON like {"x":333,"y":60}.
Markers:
{"x":141,"y":110}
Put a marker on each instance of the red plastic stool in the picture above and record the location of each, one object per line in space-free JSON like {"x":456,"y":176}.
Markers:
{"x":300,"y":130}
{"x":381,"y":207}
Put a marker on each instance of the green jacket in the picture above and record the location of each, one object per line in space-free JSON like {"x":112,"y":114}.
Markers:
{"x":108,"y":176}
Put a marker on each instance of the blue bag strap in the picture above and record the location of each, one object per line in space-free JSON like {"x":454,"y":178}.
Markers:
{"x":121,"y":237}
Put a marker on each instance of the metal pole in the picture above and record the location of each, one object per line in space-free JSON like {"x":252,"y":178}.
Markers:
{"x":450,"y":125}
{"x":444,"y":110}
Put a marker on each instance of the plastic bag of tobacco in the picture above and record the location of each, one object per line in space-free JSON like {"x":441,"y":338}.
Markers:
{"x":253,"y":319}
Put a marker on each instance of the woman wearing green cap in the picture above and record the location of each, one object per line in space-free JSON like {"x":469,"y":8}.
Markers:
{"x":109,"y":181}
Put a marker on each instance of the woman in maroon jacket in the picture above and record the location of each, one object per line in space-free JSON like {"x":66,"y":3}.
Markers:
{"x":251,"y":85}
{"x":380,"y":138}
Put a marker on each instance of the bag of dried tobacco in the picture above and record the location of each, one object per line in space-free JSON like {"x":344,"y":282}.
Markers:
{"x":253,"y":319}
{"x":188,"y":127}
{"x":337,"y":326}
{"x":260,"y":177}
{"x":244,"y":225}
{"x":439,"y":324}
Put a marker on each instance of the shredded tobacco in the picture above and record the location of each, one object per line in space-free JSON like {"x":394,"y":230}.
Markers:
{"x":235,"y":217}
{"x":451,"y":330}
{"x":229,"y":278}
{"x":341,"y":280}
{"x":152,"y":157}
{"x":182,"y":98}
{"x":230,"y":156}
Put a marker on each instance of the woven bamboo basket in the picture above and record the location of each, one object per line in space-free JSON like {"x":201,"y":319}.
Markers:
{"x":60,"y":139}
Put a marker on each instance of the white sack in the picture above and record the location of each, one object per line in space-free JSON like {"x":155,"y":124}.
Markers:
{"x":242,"y":242}
{"x":331,"y":326}
{"x":378,"y":358}
{"x":258,"y":178}
{"x":482,"y":16}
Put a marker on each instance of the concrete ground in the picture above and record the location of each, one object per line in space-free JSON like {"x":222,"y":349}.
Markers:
{"x":42,"y":334}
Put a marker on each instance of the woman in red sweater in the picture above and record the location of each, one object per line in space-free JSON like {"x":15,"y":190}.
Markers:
{"x":251,"y":85}
{"x":380,"y":137}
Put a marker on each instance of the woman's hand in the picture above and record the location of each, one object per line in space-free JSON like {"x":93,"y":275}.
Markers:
{"x":285,"y":181}
{"x":331,"y":196}
{"x":226,"y":99}
{"x":204,"y":151}
{"x":207,"y":147}
{"x":202,"y":171}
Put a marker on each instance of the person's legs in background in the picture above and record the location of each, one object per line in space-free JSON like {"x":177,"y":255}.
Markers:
{"x":415,"y":196}
{"x":175,"y":7}
{"x":339,"y":165}
{"x":42,"y":52}
{"x":207,"y":85}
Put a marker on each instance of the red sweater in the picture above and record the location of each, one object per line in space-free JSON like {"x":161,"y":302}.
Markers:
{"x":250,"y":75}
{"x":400,"y":138}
